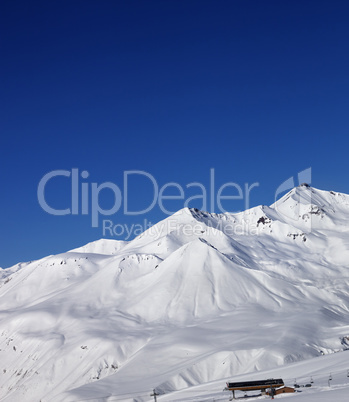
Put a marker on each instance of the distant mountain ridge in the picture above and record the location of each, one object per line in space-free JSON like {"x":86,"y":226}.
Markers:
{"x":196,"y":298}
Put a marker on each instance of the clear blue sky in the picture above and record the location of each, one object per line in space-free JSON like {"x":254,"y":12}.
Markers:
{"x":257,"y":90}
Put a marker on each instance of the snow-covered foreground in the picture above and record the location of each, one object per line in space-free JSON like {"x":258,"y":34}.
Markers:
{"x":197,"y":298}
{"x":315,"y":372}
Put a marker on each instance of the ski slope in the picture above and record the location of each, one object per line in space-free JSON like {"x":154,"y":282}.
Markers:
{"x":315,"y":372}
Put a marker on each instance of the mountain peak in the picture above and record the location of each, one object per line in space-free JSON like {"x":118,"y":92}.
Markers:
{"x":304,"y":185}
{"x":173,"y":291}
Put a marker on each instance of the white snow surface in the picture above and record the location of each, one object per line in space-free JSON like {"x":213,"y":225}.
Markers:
{"x":195,"y":301}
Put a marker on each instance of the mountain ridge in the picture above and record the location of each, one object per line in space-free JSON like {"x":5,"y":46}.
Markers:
{"x":263,"y":287}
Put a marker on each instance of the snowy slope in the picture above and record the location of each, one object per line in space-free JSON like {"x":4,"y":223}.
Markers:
{"x":315,"y":372}
{"x":196,"y":298}
{"x":105,"y":246}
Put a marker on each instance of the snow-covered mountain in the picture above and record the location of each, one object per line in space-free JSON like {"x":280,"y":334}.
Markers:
{"x":196,"y":298}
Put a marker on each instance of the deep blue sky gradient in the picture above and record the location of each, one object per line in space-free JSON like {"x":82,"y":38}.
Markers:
{"x":257,"y":90}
